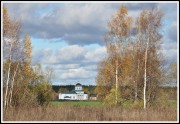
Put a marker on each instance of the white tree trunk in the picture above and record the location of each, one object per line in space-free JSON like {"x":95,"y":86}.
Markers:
{"x":145,"y":76}
{"x":145,"y":79}
{"x":145,"y":63}
{"x":12,"y":85}
{"x":7,"y":82}
{"x":116,"y":82}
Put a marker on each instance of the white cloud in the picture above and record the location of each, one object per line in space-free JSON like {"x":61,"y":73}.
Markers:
{"x":81,"y":24}
{"x":173,"y":31}
{"x":77,"y":73}
{"x":66,"y":66}
{"x":95,"y":55}
{"x":73,"y":54}
{"x":69,"y":53}
{"x":84,"y":23}
{"x":170,"y":50}
{"x":91,"y":67}
{"x":71,"y":62}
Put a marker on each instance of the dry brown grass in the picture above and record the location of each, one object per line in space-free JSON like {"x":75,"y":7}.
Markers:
{"x":89,"y":113}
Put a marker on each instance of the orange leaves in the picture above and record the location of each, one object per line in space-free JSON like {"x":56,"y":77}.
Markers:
{"x":123,"y":10}
{"x":131,"y":52}
{"x":127,"y":64}
{"x":121,"y":23}
{"x":11,"y":28}
{"x":6,"y":21}
{"x":27,"y":47}
{"x":27,"y":70}
{"x":143,"y":20}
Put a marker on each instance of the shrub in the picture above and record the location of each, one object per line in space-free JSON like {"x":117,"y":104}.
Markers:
{"x":44,"y":91}
{"x":110,"y":99}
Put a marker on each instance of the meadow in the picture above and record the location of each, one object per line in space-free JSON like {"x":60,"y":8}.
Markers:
{"x":76,"y":103}
{"x":90,"y":111}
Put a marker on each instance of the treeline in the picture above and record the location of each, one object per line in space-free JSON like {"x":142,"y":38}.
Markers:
{"x":134,"y":67}
{"x":23,"y":84}
{"x":90,"y":89}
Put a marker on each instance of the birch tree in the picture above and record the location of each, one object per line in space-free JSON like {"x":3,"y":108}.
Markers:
{"x":133,"y":61}
{"x":119,"y":29}
{"x":150,"y":24}
{"x":11,"y":29}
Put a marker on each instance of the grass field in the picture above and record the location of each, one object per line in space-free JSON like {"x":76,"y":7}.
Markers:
{"x":170,"y":103}
{"x":91,"y":111}
{"x":77,"y":103}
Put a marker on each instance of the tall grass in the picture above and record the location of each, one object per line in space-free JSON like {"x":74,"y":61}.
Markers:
{"x":74,"y":103}
{"x":89,"y":113}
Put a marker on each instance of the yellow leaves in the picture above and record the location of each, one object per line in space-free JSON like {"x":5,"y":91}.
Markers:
{"x":143,"y":20}
{"x":123,"y":10}
{"x":121,"y":23}
{"x":5,"y":15}
{"x":11,"y":27}
{"x":27,"y":47}
{"x":152,"y":18}
{"x":110,"y":98}
{"x":27,"y":70}
{"x":6,"y":21}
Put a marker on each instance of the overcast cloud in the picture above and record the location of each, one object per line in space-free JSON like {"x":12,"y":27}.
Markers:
{"x":80,"y":25}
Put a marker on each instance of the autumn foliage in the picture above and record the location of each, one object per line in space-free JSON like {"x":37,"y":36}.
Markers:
{"x":23,"y":84}
{"x":133,"y":54}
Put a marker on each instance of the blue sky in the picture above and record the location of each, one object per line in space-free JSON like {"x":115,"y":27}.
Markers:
{"x":69,"y":36}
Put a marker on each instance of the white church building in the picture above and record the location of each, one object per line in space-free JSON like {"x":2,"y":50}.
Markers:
{"x":77,"y":94}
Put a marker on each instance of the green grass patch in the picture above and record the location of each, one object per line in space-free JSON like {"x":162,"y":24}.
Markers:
{"x":172,"y":103}
{"x":76,"y":103}
{"x":126,"y":104}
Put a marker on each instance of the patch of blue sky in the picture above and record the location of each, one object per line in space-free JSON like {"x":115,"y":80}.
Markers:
{"x":49,"y":9}
{"x":53,"y":44}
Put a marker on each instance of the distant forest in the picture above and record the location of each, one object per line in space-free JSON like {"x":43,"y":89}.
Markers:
{"x":90,"y":89}
{"x":171,"y":92}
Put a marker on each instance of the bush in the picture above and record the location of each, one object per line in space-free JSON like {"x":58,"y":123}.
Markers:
{"x":111,"y":98}
{"x":44,"y":93}
{"x":138,"y":104}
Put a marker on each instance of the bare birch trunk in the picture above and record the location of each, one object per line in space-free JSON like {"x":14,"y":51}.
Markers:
{"x":7,"y":82}
{"x":145,"y":76}
{"x":116,"y":82}
{"x":12,"y":85}
{"x":145,"y":79}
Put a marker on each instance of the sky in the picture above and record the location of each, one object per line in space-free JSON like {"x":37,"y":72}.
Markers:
{"x":69,"y":37}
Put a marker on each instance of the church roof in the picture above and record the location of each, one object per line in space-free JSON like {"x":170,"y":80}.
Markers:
{"x":78,"y":84}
